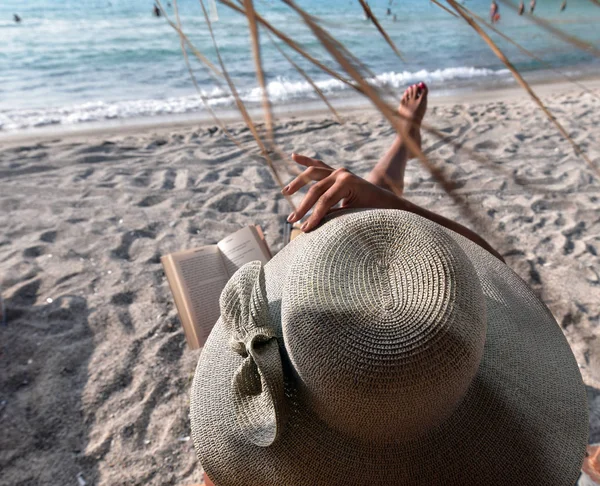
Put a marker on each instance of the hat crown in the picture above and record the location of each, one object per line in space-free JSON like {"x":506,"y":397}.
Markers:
{"x":383,"y":320}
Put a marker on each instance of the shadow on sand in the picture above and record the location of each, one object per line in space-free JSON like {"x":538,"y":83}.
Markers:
{"x":44,"y":432}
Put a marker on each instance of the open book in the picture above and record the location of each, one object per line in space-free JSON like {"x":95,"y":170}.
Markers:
{"x":198,"y":276}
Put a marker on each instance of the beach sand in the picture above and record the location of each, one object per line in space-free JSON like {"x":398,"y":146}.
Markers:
{"x":94,"y":369}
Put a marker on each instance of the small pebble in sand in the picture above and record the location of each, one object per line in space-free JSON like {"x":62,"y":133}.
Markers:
{"x":120,"y":221}
{"x":49,"y":300}
{"x":147,"y":442}
{"x":80,"y":480}
{"x":109,"y":272}
{"x":29,"y":361}
{"x":184,"y":439}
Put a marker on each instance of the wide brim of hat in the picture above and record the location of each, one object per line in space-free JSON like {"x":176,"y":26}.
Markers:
{"x":523,"y":421}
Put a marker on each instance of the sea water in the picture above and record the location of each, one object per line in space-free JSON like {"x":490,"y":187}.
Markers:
{"x":70,"y":62}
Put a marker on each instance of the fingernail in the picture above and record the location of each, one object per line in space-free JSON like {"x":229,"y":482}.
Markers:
{"x":291,"y":217}
{"x":304,"y":226}
{"x":421,"y":84}
{"x":285,"y":189}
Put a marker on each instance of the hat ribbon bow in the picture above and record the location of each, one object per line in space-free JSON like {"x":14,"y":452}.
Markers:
{"x":258,"y":384}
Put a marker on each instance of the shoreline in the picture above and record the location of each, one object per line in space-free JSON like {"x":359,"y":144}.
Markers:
{"x":349,"y":105}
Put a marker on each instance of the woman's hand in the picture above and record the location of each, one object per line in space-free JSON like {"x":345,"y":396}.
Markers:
{"x":333,"y":186}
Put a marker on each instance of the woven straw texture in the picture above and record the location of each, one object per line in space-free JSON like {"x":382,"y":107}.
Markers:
{"x":382,"y":349}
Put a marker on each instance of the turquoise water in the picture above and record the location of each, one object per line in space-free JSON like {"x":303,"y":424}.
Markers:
{"x":77,"y":61}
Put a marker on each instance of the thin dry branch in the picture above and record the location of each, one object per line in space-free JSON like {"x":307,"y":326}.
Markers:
{"x":217,"y":120}
{"x":371,"y":92}
{"x":438,"y":134}
{"x":371,"y":16}
{"x":260,"y":74}
{"x":292,"y":44}
{"x":443,"y":7}
{"x":529,"y":53}
{"x":308,"y":80}
{"x":521,"y":81}
{"x":570,"y":39}
{"x":201,"y":57}
{"x":242,"y":108}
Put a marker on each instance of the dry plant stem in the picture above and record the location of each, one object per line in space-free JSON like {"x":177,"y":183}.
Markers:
{"x":521,"y":81}
{"x":308,"y":80}
{"x":391,"y":115}
{"x":292,"y":44}
{"x":372,"y":94}
{"x":217,"y":120}
{"x":394,"y":113}
{"x":443,"y":7}
{"x":203,"y":98}
{"x":201,"y":57}
{"x":340,"y":46}
{"x":260,"y":75}
{"x":241,"y":107}
{"x":587,"y":47}
{"x":527,"y":52}
{"x":373,"y":19}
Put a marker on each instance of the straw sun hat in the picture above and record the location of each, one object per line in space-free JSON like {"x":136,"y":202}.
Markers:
{"x":383,"y":349}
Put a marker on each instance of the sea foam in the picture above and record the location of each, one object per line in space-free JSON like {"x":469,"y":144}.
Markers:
{"x":281,"y":90}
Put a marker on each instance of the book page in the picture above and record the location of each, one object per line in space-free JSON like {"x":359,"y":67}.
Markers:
{"x":242,"y":247}
{"x":203,"y":275}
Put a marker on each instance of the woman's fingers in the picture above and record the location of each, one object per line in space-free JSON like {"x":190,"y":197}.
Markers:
{"x":312,"y":196}
{"x":309,"y":161}
{"x":311,"y":174}
{"x":330,"y":198}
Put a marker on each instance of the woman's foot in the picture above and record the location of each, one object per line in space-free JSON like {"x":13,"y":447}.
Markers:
{"x":389,"y":171}
{"x":412,"y":110}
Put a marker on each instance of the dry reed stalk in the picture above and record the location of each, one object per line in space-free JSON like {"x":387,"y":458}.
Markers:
{"x":428,"y":128}
{"x":357,"y":81}
{"x":241,"y":107}
{"x":287,"y":40}
{"x":371,"y":16}
{"x":443,"y":7}
{"x":438,"y":134}
{"x":390,"y":114}
{"x":575,"y":41}
{"x":339,"y":53}
{"x":521,"y":81}
{"x":308,"y":80}
{"x":529,"y":53}
{"x":260,"y":75}
{"x":201,"y":57}
{"x":214,"y":116}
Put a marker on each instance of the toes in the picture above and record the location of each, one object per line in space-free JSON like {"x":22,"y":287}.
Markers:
{"x":413,"y":91}
{"x":422,"y":89}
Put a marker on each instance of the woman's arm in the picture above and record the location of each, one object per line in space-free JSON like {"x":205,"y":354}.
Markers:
{"x":340,"y":185}
{"x":451,"y":225}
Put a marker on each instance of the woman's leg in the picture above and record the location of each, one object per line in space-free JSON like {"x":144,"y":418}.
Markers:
{"x":389,"y":171}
